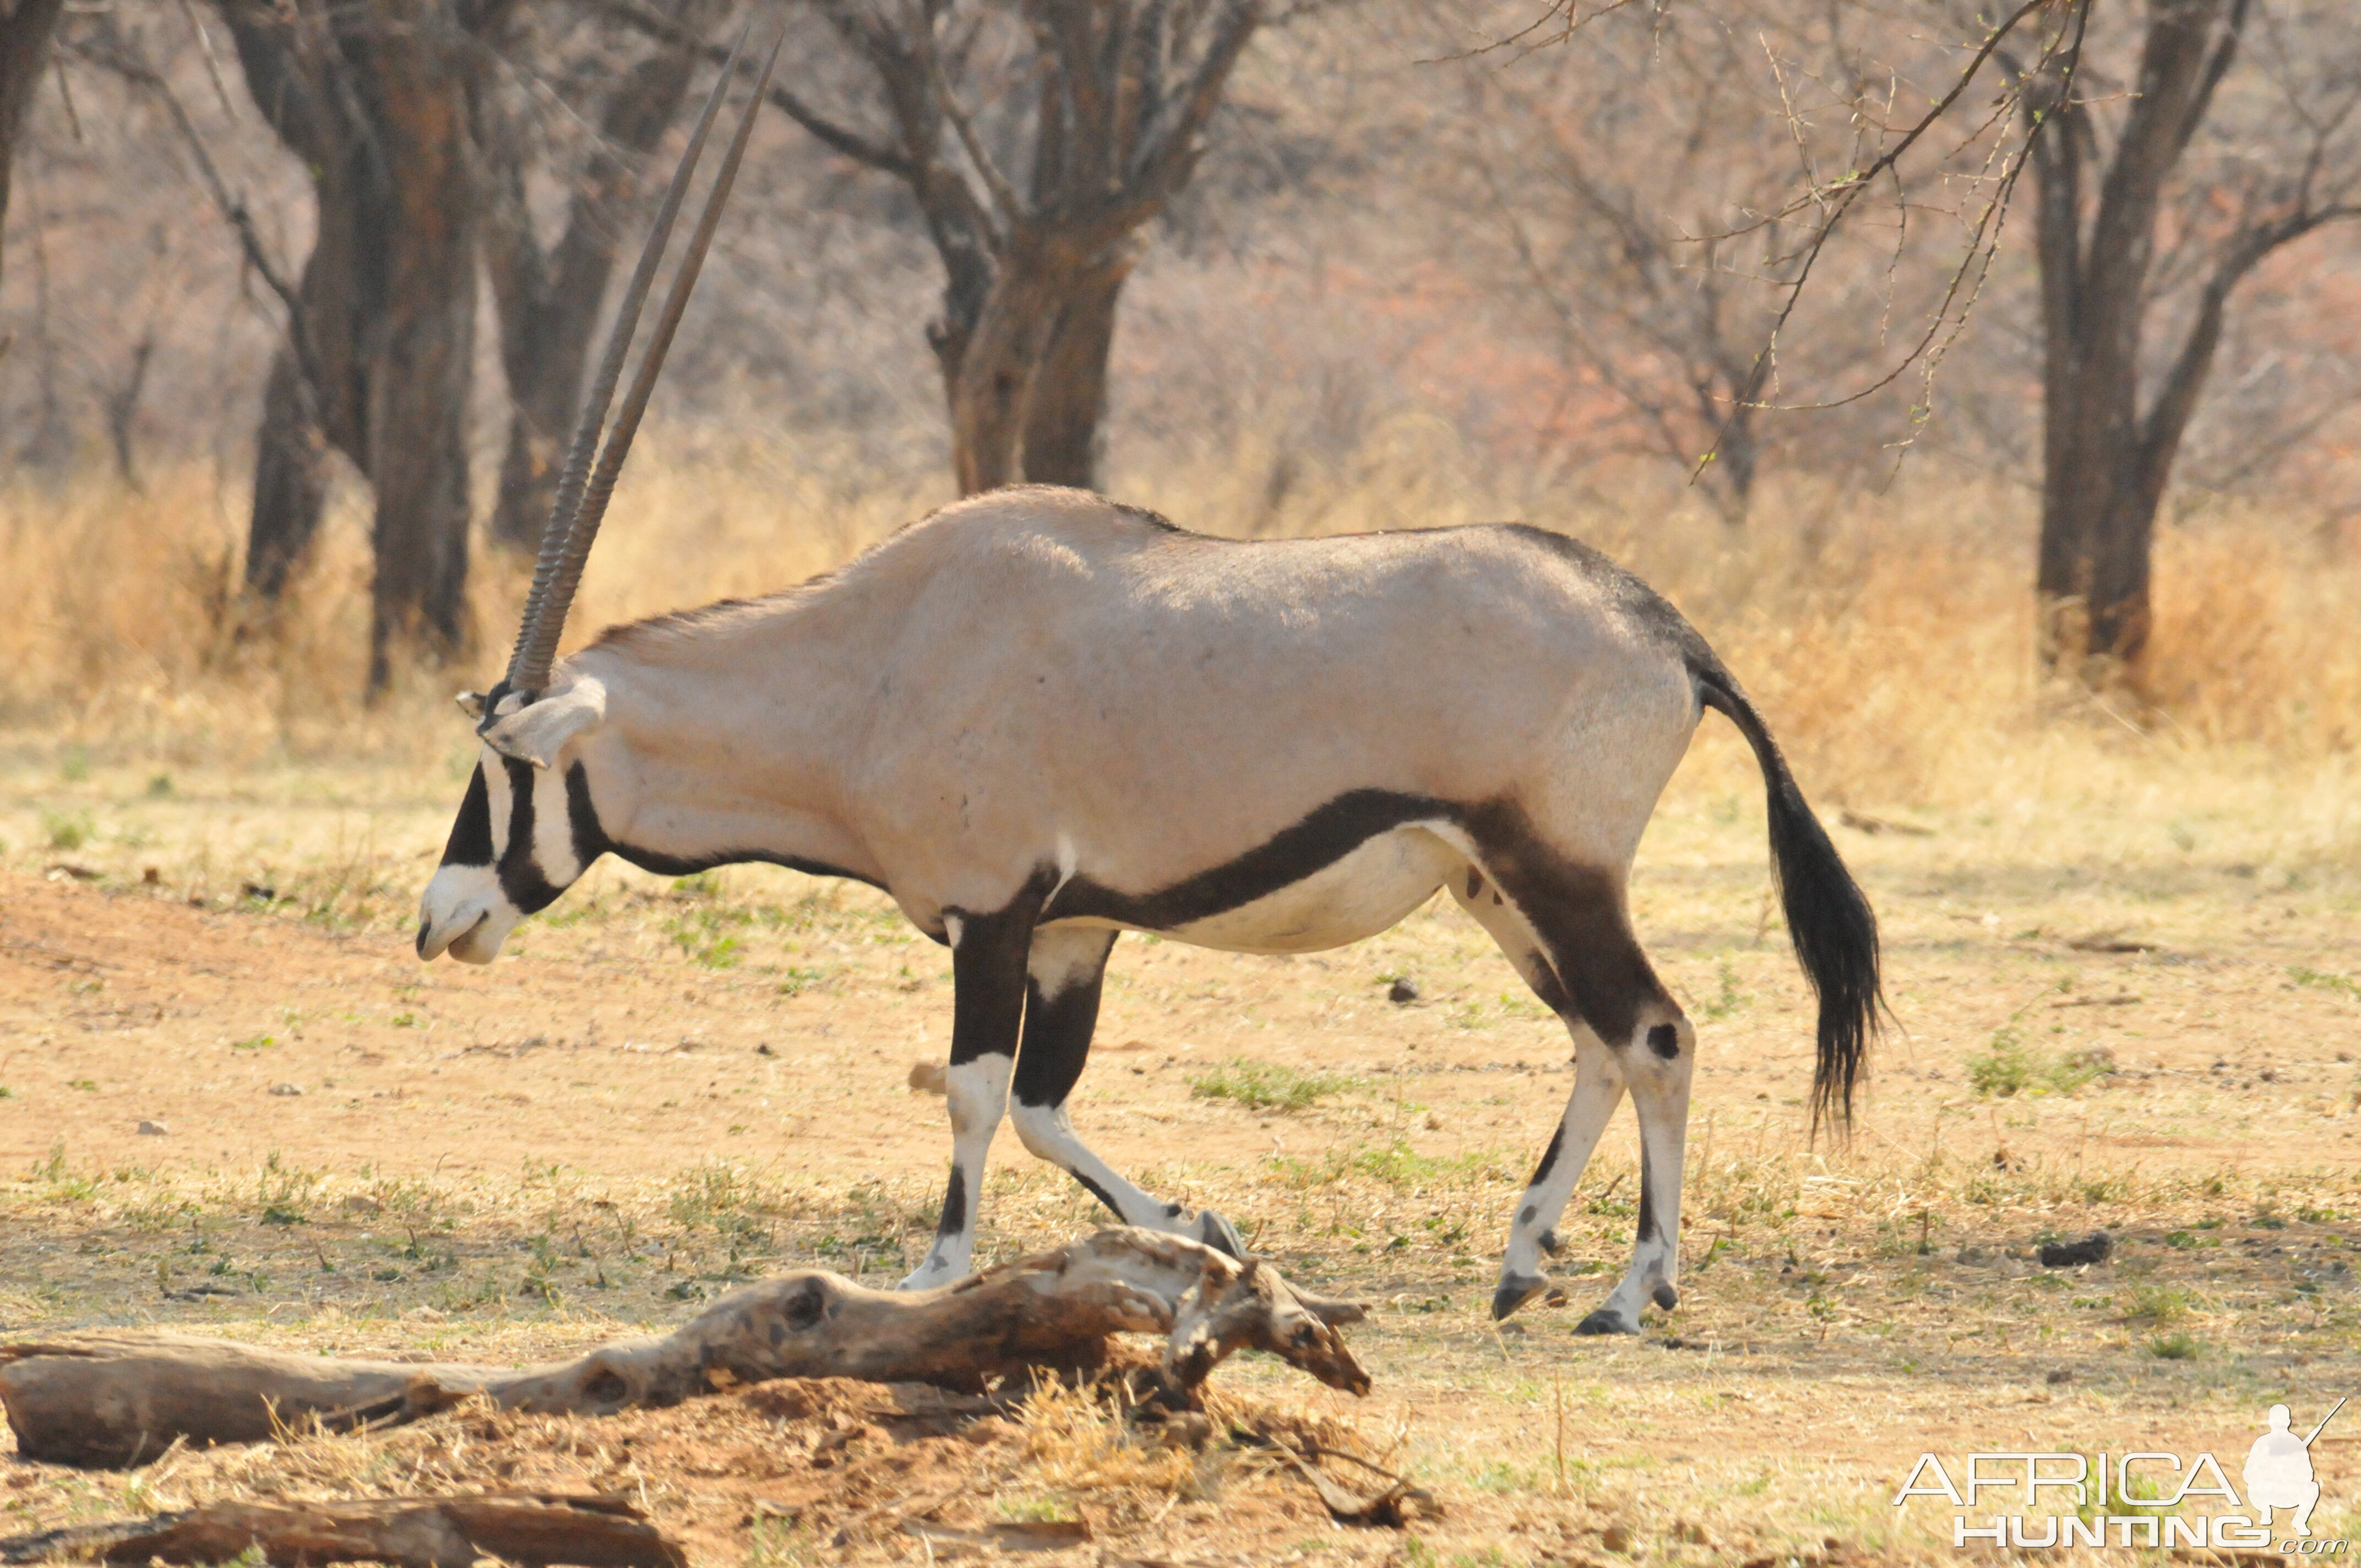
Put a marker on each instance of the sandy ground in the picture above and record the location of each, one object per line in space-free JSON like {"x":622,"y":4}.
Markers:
{"x":661,"y":1089}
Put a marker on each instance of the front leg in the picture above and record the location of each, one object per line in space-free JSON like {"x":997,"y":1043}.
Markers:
{"x":1061,"y":1010}
{"x":987,"y":1008}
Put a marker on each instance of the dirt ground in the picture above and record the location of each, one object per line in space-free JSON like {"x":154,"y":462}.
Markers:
{"x":2132,"y":1007}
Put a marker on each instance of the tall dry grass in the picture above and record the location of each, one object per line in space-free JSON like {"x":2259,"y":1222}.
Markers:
{"x":1890,"y":638}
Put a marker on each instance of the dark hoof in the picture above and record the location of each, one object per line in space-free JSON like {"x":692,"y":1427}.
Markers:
{"x":1603,"y":1322}
{"x":1515,"y":1291}
{"x":1664,"y":1296}
{"x":1221,"y":1235}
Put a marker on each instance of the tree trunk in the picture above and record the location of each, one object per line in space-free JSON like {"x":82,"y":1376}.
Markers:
{"x":424,"y":344}
{"x":549,"y":302}
{"x":25,"y":29}
{"x":372,"y":97}
{"x":1066,"y":404}
{"x":1001,"y":359}
{"x":290,"y":481}
{"x":2104,"y":469}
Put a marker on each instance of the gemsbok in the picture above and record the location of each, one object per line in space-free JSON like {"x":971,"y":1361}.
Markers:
{"x":1038,"y":719}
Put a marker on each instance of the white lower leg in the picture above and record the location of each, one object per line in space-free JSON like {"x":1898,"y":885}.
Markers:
{"x":978,"y":1094}
{"x":1048,"y":1133}
{"x":1598,"y":1089}
{"x":1661,"y":1097}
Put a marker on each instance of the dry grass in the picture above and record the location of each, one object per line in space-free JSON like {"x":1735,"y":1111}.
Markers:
{"x":1890,"y":637}
{"x":2171,"y":889}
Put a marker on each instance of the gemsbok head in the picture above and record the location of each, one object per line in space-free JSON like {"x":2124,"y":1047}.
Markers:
{"x":1038,"y":720}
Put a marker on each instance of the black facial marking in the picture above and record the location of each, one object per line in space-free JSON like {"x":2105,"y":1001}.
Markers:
{"x":1095,"y":1190}
{"x":1057,"y":1038}
{"x":1549,"y":1156}
{"x":954,"y":1218}
{"x":589,"y":839}
{"x":1475,"y":883}
{"x":471,"y":832}
{"x":1665,"y":1041}
{"x":521,"y":874}
{"x":1172,"y":1211}
{"x":1324,"y":836}
{"x":988,"y":979}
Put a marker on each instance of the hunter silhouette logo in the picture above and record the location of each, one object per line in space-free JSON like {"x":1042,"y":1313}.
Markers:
{"x":2278,"y":1470}
{"x":2144,"y":1498}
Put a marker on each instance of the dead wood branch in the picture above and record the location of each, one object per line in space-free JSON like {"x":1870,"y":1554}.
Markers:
{"x":416,"y":1532}
{"x":119,"y":1398}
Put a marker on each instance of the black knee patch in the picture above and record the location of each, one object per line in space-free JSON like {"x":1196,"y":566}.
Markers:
{"x":1665,"y":1041}
{"x":1525,"y":1215}
{"x":954,"y":1218}
{"x":1664,"y":1296}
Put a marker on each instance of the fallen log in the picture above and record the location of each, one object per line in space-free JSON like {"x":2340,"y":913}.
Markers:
{"x":120,"y":1399}
{"x":414,"y":1532}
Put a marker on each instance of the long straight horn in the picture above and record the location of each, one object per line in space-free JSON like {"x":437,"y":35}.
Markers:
{"x":558,"y":570}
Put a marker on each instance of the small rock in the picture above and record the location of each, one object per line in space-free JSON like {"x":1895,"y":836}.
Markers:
{"x":1433,"y":1123}
{"x":927,"y":1078}
{"x":259,"y":892}
{"x":150,"y":877}
{"x":762,"y":1050}
{"x":1402,"y":994}
{"x":2058,"y":1374}
{"x":285,"y":1090}
{"x":1615,"y":1538}
{"x":2093,"y":1248}
{"x":154,"y":1130}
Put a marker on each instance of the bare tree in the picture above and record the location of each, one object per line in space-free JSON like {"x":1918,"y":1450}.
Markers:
{"x":1101,"y":105}
{"x":372,"y":97}
{"x":26,"y":26}
{"x":2231,"y":136}
{"x":549,"y":295}
{"x":1614,"y":187}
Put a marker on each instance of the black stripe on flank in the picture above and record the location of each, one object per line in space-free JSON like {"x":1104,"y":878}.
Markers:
{"x":661,"y":865}
{"x":1324,"y":836}
{"x":954,"y":1218}
{"x":471,"y":831}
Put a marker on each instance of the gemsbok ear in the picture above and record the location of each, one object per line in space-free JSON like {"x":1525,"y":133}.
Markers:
{"x":471,"y":704}
{"x":538,"y":731}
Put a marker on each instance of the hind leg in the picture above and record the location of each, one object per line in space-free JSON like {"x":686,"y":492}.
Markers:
{"x":1582,"y":959}
{"x":1598,"y":1089}
{"x":1063,"y":975}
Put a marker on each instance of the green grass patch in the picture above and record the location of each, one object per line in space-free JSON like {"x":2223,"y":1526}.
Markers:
{"x":1267,"y":1086}
{"x":2323,"y":980}
{"x":2011,"y":1067}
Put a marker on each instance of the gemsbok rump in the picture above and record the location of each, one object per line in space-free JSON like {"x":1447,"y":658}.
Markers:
{"x":1038,"y":719}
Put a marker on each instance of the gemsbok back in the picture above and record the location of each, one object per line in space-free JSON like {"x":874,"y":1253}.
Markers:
{"x":1038,"y":719}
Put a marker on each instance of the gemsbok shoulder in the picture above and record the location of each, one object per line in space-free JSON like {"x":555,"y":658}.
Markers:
{"x":1038,"y":719}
